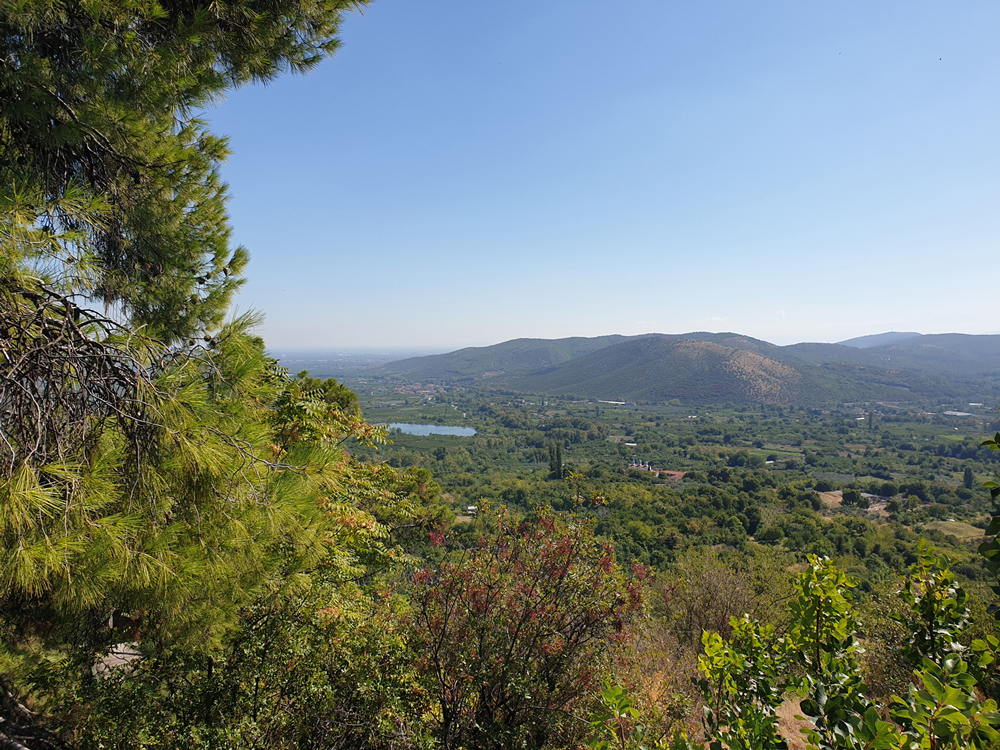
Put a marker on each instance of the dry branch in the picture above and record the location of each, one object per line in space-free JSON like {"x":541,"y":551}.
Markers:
{"x":64,"y":372}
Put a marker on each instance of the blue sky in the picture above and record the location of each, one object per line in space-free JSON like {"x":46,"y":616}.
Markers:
{"x":463,"y":173}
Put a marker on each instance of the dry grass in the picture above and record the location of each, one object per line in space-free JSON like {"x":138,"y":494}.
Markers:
{"x":962,"y":531}
{"x":657,"y":670}
{"x":832,"y":499}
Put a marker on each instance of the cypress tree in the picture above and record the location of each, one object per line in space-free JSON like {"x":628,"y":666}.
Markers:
{"x":555,"y":461}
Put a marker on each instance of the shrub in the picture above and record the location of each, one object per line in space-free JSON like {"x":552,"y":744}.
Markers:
{"x":509,"y":633}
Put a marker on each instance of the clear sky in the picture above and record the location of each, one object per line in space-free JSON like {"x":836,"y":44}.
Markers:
{"x":463,"y":173}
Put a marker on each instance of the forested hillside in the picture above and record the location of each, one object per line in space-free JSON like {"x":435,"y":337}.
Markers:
{"x":509,"y":359}
{"x":661,"y":369}
{"x":199,"y":549}
{"x":720,"y":367}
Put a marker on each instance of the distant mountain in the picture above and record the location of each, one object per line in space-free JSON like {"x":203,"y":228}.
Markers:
{"x":725,"y":367}
{"x":509,"y":359}
{"x":660,"y":368}
{"x":732,"y":340}
{"x":942,"y":345}
{"x":877,"y":339}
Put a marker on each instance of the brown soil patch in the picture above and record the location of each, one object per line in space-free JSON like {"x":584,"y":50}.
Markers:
{"x":832,"y":499}
{"x":792,"y":729}
{"x":878,"y":508}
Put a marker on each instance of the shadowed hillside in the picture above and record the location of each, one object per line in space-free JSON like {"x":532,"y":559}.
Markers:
{"x":509,"y":359}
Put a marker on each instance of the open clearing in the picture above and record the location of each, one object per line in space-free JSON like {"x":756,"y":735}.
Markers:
{"x":964,"y":532}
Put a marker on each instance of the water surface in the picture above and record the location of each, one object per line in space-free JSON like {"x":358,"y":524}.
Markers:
{"x":433,"y":429}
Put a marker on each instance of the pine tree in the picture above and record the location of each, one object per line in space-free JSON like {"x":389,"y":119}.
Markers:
{"x":97,"y":100}
{"x":152,"y":485}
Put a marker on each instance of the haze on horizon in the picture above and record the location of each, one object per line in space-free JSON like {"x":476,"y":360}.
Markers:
{"x":393,"y":353}
{"x":464,"y":174}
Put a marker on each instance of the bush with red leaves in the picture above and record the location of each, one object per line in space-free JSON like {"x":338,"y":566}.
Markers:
{"x":509,"y":634}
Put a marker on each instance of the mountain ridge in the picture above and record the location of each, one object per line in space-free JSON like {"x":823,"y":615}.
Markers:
{"x":877,"y":339}
{"x":703,"y":366}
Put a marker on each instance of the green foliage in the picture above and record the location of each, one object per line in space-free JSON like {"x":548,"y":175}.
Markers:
{"x":985,"y":665}
{"x":886,"y":672}
{"x":330,"y":391}
{"x":946,"y":714}
{"x":320,"y":668}
{"x":152,"y":489}
{"x":743,"y":684}
{"x":618,"y":719}
{"x":822,"y":639}
{"x":618,"y":725}
{"x":937,"y":608}
{"x":228,"y":503}
{"x":746,"y":676}
{"x":98,"y":101}
{"x":555,"y":461}
{"x":990,"y":549}
{"x":193,"y":505}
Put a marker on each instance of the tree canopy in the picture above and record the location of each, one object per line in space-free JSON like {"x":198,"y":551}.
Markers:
{"x":159,"y":473}
{"x":101,"y":146}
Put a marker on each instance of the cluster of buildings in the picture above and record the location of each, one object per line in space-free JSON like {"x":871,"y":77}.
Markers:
{"x":644,"y":466}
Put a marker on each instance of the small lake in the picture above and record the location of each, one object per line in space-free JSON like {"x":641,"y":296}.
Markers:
{"x":433,"y":429}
